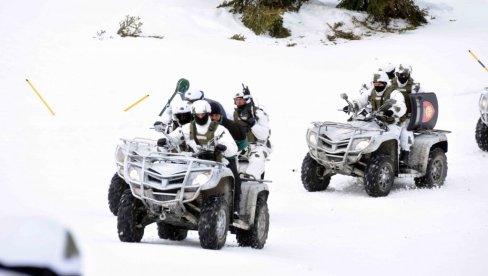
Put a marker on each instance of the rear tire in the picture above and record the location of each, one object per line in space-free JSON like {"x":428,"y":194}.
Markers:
{"x":115,"y":191}
{"x":379,"y":176}
{"x":168,"y":231}
{"x":129,"y":218}
{"x":257,"y":235}
{"x":313,"y":178}
{"x":214,"y":223}
{"x":482,"y":135}
{"x":436,"y":170}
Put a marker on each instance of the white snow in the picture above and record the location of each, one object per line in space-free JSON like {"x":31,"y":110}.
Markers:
{"x":59,"y":167}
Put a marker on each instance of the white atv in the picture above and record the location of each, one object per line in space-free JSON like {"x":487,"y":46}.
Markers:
{"x":184,"y":191}
{"x":365,"y":148}
{"x":482,"y":125}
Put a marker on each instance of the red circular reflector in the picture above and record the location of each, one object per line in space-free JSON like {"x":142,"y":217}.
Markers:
{"x":429,"y":111}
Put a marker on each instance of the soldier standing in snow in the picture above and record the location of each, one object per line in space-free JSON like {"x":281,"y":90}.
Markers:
{"x":256,"y":124}
{"x":406,"y":85}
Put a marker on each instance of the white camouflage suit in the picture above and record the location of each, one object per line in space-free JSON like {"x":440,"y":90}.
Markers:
{"x":257,"y":152}
{"x":399,"y":108}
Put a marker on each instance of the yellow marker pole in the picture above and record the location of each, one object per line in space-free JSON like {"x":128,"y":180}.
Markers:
{"x":40,"y":97}
{"x":140,"y":100}
{"x":482,"y":65}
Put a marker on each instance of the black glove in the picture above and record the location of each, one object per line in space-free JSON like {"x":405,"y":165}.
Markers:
{"x":346,"y":109}
{"x":251,"y":121}
{"x":220,"y":148}
{"x":247,"y":116}
{"x":159,"y":126}
{"x":388,"y":113}
{"x":162,"y":142}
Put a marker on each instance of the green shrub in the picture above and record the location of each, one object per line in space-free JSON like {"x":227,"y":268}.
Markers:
{"x":239,"y":37}
{"x":384,"y":10}
{"x":130,"y":26}
{"x":264,"y":16}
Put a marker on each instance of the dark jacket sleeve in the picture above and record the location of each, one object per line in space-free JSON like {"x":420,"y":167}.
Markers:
{"x":235,"y":129}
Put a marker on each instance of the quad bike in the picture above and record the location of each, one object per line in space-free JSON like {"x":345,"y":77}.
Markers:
{"x":482,"y":125}
{"x":365,"y":148}
{"x":184,"y":191}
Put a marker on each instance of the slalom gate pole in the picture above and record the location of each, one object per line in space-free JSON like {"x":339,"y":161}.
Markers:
{"x":482,"y":65}
{"x":140,"y":100}
{"x":40,"y":97}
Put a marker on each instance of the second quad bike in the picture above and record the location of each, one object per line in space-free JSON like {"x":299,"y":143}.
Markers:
{"x":363,"y":147}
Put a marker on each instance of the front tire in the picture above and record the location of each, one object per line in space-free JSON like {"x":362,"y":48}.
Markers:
{"x":168,"y":231}
{"x":436,"y":170}
{"x":115,"y":191}
{"x":129,"y":218}
{"x":257,"y":235}
{"x":481,"y":135}
{"x":379,"y":176}
{"x":214,"y":223}
{"x":313,"y":177}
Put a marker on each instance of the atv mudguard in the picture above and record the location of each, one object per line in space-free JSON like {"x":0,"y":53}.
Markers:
{"x":423,"y":143}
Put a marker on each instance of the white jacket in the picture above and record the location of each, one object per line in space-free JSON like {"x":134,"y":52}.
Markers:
{"x":221,"y":136}
{"x":399,"y":108}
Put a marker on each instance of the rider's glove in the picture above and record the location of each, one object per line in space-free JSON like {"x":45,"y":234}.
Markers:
{"x":162,"y":142}
{"x":220,"y":148}
{"x":388,"y":113}
{"x":159,"y":126}
{"x":346,"y":109}
{"x":247,"y":116}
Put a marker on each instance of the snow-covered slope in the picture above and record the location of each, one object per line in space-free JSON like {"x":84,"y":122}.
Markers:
{"x":59,"y":167}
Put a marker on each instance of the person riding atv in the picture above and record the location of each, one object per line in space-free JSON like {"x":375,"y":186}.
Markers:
{"x":366,"y":147}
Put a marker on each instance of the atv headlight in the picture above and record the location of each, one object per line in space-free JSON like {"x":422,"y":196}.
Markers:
{"x":312,"y":138}
{"x":201,"y":178}
{"x":119,"y":155}
{"x":484,"y":103}
{"x":134,"y":174}
{"x":360,"y":144}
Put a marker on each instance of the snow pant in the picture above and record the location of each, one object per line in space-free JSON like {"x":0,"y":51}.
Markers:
{"x":256,"y":155}
{"x":406,"y":136}
{"x":237,"y":182}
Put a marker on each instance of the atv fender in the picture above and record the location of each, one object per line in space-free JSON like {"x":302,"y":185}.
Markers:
{"x":379,"y":141}
{"x":250,"y":191}
{"x":423,"y":144}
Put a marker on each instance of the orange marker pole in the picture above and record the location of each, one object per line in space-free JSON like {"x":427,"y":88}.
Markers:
{"x":40,"y":97}
{"x":140,"y":100}
{"x":482,"y":65}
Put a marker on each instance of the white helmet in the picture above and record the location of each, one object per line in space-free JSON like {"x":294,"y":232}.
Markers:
{"x":244,"y":93}
{"x":193,"y":95}
{"x":201,"y":106}
{"x":181,"y":107}
{"x":403,"y":73}
{"x":388,"y":67}
{"x":380,"y":76}
{"x":404,"y":68}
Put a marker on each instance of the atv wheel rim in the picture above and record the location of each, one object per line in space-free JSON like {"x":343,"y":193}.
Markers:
{"x":384,"y":177}
{"x":436,"y":172}
{"x":220,"y":225}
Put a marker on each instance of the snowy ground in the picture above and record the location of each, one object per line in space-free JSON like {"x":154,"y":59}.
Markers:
{"x":59,"y":167}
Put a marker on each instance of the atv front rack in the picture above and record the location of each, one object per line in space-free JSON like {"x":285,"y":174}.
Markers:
{"x":144,"y":168}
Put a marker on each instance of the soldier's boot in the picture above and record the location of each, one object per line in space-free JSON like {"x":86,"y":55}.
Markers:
{"x":404,"y":158}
